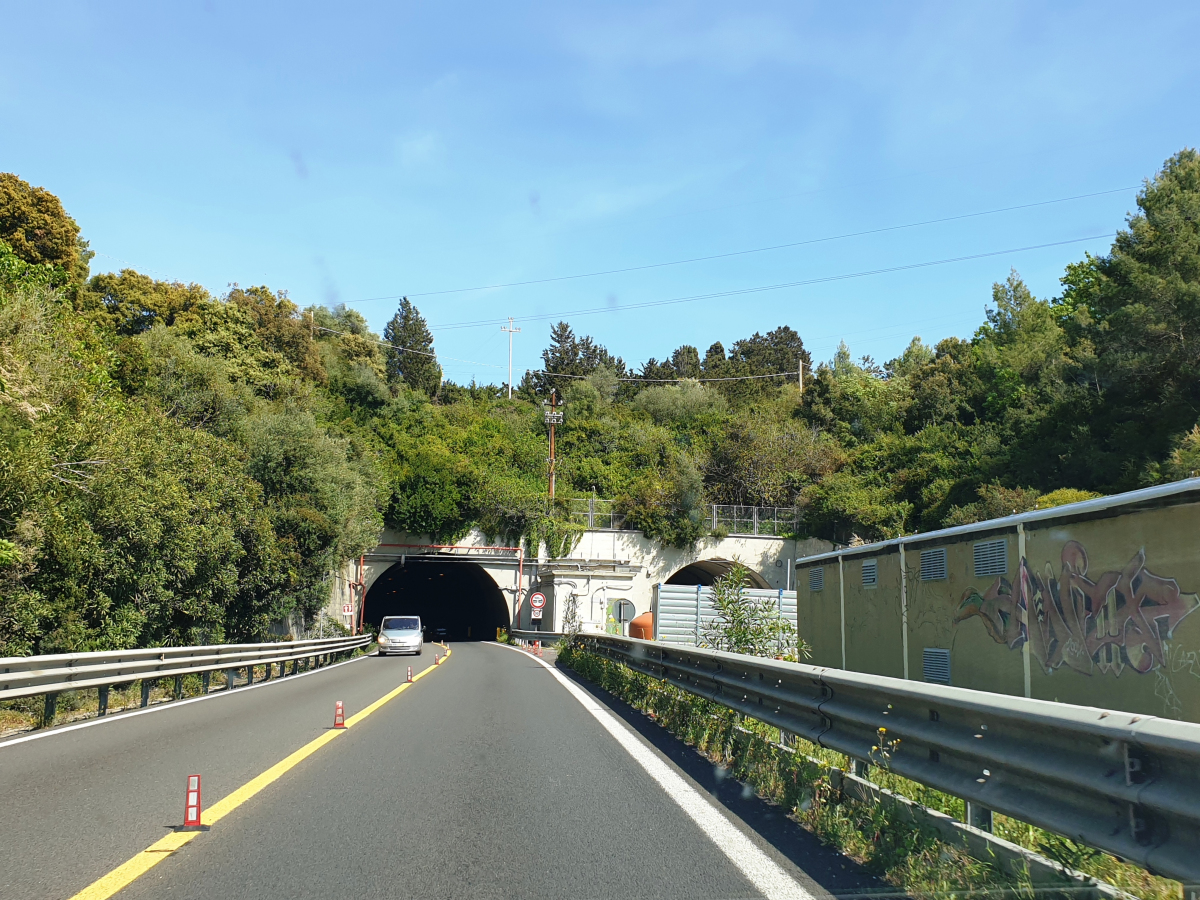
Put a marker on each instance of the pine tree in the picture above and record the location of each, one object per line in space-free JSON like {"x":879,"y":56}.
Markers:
{"x":412,"y":360}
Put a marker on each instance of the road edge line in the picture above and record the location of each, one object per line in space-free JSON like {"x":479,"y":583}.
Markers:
{"x":135,"y":867}
{"x":767,"y":876}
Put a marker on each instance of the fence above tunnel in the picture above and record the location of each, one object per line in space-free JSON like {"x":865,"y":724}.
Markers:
{"x":1123,"y":783}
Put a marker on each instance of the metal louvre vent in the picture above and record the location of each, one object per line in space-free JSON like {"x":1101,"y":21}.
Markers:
{"x":933,"y":564}
{"x":991,"y":557}
{"x":936,"y":666}
{"x":816,"y":578}
{"x":870,"y":572}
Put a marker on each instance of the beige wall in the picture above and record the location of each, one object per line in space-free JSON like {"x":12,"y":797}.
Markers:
{"x":1084,"y":619}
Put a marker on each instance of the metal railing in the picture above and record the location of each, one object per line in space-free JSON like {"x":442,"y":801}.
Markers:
{"x":1128,"y":784}
{"x":771,"y":521}
{"x":595,"y":514}
{"x":51,"y":674}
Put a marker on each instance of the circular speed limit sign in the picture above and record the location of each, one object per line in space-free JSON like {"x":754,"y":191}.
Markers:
{"x":537,"y":600}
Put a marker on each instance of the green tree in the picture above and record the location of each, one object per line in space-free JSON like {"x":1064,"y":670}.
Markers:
{"x":37,"y":228}
{"x":412,"y":358}
{"x":1133,"y":319}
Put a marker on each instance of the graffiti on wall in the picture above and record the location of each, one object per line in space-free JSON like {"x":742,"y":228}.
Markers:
{"x":1119,"y":620}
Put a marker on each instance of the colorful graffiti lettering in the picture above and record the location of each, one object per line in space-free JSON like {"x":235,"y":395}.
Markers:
{"x":1119,"y":620}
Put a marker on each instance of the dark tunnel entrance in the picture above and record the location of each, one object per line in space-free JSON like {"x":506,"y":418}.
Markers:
{"x":458,"y":596}
{"x":706,"y":571}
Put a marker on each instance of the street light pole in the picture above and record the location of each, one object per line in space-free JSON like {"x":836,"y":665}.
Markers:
{"x":511,"y":331}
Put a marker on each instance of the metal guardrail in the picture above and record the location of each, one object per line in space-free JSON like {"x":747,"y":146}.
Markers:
{"x":1128,"y":784}
{"x":51,"y":674}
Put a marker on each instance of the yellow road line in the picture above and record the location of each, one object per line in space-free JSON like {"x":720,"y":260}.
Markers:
{"x":143,"y":862}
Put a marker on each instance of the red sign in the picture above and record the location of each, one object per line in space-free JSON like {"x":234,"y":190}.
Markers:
{"x":535,"y":613}
{"x":347,"y":609}
{"x":537,"y":600}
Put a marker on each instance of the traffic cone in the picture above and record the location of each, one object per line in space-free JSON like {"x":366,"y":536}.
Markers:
{"x":410,"y":674}
{"x":339,"y":716}
{"x":191,"y":803}
{"x":437,"y":659}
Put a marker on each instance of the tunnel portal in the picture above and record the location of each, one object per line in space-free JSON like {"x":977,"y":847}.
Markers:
{"x":706,"y":571}
{"x":458,"y":596}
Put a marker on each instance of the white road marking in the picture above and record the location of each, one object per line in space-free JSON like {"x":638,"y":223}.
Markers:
{"x":172,"y":704}
{"x":761,"y":871}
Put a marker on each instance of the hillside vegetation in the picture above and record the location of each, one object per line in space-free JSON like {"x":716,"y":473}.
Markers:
{"x":178,"y":467}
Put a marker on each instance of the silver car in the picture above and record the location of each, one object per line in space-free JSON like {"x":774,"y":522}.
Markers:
{"x":400,"y":634}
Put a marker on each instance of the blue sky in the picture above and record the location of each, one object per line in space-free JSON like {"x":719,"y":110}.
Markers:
{"x":352,"y":152}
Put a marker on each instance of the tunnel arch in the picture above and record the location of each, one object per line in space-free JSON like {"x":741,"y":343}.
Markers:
{"x":456,"y":595}
{"x":706,"y":571}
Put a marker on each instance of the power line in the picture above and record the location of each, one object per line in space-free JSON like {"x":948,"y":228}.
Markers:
{"x":695,"y":259}
{"x":769,"y":287}
{"x":391,"y":346}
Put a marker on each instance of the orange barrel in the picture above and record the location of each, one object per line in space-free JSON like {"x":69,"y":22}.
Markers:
{"x":642,"y":627}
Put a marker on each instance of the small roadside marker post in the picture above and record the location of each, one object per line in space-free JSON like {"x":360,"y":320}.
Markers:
{"x":191,"y":804}
{"x":410,"y":674}
{"x":339,"y":715}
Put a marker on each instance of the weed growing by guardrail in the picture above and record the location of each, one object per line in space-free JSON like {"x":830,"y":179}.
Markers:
{"x":878,"y":835}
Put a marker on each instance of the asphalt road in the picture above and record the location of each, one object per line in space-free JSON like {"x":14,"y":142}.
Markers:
{"x":487,"y":778}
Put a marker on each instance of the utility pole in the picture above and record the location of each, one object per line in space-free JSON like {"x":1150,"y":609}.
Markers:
{"x":800,"y":370}
{"x":553,"y":418}
{"x":511,"y":331}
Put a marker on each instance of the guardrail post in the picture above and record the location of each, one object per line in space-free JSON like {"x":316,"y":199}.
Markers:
{"x":979,"y":816}
{"x":229,"y":679}
{"x":147,"y":683}
{"x":858,"y":767}
{"x":178,"y":692}
{"x":249,"y":675}
{"x":206,"y":680}
{"x":268,"y":667}
{"x":50,"y":709}
{"x":102,"y":706}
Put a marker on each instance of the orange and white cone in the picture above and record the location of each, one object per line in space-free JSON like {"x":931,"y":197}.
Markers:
{"x":339,"y":715}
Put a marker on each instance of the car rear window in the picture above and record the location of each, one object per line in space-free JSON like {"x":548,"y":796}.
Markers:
{"x":401,"y":623}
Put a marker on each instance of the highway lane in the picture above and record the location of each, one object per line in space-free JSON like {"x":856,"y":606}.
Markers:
{"x":76,"y":803}
{"x":486,"y":779}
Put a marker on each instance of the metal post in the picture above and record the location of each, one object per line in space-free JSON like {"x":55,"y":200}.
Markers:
{"x":714,"y":511}
{"x":249,"y":675}
{"x":102,"y":709}
{"x":858,"y":767}
{"x":205,"y":680}
{"x":229,"y":679}
{"x":147,"y":683}
{"x":50,"y":709}
{"x":755,"y":519}
{"x":511,"y":331}
{"x":699,"y":588}
{"x":178,"y":692}
{"x":979,"y":816}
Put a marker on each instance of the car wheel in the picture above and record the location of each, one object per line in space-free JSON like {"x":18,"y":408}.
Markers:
{"x":381,"y":653}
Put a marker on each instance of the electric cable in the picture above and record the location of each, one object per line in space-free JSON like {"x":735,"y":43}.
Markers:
{"x":732,"y":253}
{"x":769,"y":287}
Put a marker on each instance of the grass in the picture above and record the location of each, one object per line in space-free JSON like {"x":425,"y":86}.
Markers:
{"x":876,"y":835}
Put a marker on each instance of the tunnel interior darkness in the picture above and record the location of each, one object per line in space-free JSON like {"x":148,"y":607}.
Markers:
{"x":456,"y":595}
{"x":706,"y":571}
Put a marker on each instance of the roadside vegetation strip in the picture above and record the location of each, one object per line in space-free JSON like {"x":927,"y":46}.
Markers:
{"x":134,"y":868}
{"x":880,"y":835}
